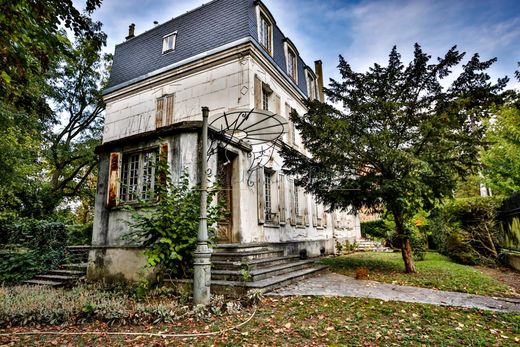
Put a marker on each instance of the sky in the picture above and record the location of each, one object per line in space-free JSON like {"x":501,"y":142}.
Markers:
{"x":362,"y":31}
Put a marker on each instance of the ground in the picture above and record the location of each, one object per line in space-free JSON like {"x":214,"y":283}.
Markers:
{"x":436,"y":272}
{"x":313,"y":321}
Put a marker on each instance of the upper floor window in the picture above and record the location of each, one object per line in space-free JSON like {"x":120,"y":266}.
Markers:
{"x":169,"y":42}
{"x":311,"y":86}
{"x":265,"y":33}
{"x":291,"y":63}
{"x":138,"y":176}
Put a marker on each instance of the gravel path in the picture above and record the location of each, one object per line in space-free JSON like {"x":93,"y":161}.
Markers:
{"x":332,"y":284}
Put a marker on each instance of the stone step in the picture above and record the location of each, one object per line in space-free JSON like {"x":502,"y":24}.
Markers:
{"x":240,"y":247}
{"x":245,"y":256}
{"x":252,"y":264}
{"x":43,"y":283}
{"x":67,"y":273}
{"x":238,"y":288}
{"x":76,"y":266}
{"x":262,"y":273}
{"x":56,"y":278}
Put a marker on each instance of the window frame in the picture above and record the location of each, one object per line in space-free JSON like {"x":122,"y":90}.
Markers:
{"x":311,"y":84}
{"x":167,"y":49}
{"x":265,"y":25}
{"x":127,"y":195}
{"x":292,"y":61}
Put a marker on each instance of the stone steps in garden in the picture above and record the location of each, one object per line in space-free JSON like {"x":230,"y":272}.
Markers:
{"x":74,"y":268}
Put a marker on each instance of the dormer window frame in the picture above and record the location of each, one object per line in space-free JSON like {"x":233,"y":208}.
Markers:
{"x":265,"y":26}
{"x":311,"y":81}
{"x":291,"y":60}
{"x":169,"y":42}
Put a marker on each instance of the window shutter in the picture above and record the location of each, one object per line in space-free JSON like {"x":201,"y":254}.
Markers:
{"x":306,"y":214}
{"x":113,"y":179}
{"x":277,"y":104}
{"x":314,"y":213}
{"x":292,"y":216}
{"x":281,"y":198}
{"x":258,"y":93}
{"x":289,"y":125}
{"x":163,"y":156}
{"x":159,"y":110}
{"x":260,"y":186}
{"x":324,"y":219}
{"x":169,"y":109}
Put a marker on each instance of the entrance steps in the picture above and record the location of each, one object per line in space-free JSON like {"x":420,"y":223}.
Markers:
{"x":239,"y":268}
{"x":364,"y":245}
{"x":74,"y":268}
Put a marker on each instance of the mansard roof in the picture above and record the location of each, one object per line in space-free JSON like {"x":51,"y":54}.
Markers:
{"x":215,"y":25}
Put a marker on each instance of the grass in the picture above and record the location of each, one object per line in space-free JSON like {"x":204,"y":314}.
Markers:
{"x":436,"y":271}
{"x":315,"y":321}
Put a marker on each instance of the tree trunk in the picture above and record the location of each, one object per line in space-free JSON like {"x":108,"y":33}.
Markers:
{"x":406,"y":247}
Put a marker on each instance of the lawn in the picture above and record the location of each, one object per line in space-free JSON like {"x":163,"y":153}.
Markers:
{"x":310,"y":321}
{"x":436,"y":271}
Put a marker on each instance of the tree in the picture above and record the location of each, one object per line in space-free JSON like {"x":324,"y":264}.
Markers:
{"x":401,"y":140}
{"x":501,"y":167}
{"x":75,"y":96}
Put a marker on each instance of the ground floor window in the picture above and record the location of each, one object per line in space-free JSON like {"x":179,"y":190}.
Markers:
{"x":138,"y":176}
{"x":268,"y":197}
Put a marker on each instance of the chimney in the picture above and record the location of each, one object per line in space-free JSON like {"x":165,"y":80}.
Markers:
{"x":131,"y":31}
{"x":318,"y":69}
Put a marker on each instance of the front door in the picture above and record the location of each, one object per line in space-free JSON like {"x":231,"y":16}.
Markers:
{"x":225,"y":163}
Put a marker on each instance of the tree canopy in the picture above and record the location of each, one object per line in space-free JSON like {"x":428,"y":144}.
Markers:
{"x":402,"y":138}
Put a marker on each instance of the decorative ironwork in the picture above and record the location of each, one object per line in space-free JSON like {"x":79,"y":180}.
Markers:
{"x":258,"y":129}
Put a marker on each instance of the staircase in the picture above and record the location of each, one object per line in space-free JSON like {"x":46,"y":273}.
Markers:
{"x":238,"y":268}
{"x":74,"y":267}
{"x":364,"y":245}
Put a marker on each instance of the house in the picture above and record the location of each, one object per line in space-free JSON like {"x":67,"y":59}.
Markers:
{"x":227,"y":55}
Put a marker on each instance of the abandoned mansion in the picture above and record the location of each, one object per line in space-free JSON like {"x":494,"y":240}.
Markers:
{"x":229,"y":56}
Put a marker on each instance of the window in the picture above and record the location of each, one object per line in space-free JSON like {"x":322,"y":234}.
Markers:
{"x":169,"y":42}
{"x":311,"y":86}
{"x":138,"y":176}
{"x":266,"y":93}
{"x":291,"y":63}
{"x":265,"y":33}
{"x":268,"y":198}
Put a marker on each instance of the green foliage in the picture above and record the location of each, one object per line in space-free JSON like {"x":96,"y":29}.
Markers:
{"x":501,"y":167}
{"x":466,"y":229}
{"x":79,"y":234}
{"x":376,"y":228}
{"x":169,"y":231}
{"x":31,"y":246}
{"x":402,"y":139}
{"x":509,"y":218}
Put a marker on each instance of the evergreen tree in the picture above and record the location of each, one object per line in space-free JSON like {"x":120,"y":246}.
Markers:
{"x":401,"y":140}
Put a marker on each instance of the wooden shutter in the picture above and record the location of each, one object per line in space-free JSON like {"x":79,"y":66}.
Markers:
{"x":169,"y":110}
{"x":292,"y":216}
{"x":314,"y":213}
{"x":113,"y":178}
{"x":163,"y":156}
{"x":159,"y":111}
{"x":260,"y":186}
{"x":281,"y":198}
{"x":277,"y":104}
{"x":289,"y":125}
{"x":258,"y":93}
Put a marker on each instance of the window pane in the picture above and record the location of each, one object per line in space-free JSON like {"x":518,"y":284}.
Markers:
{"x":148,"y":175}
{"x":268,"y":216}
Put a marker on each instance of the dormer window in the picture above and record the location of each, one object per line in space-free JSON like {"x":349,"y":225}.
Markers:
{"x":291,"y":63}
{"x":265,"y":33}
{"x":169,"y":42}
{"x":311,"y":86}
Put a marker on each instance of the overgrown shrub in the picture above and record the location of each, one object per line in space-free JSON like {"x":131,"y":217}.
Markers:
{"x":169,"y":233}
{"x":376,"y":228}
{"x":466,"y":230}
{"x":79,"y":234}
{"x":31,"y":246}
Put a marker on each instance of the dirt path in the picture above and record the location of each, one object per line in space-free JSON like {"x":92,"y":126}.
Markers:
{"x":332,"y":284}
{"x":504,"y":275}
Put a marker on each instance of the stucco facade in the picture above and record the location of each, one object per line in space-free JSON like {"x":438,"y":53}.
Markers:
{"x":162,"y":112}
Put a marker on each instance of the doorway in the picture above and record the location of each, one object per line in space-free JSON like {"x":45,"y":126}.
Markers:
{"x":226,"y":161}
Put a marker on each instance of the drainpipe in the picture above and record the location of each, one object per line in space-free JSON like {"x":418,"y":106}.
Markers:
{"x":202,"y":256}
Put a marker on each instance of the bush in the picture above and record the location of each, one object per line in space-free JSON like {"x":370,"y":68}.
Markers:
{"x":466,"y":230}
{"x":376,"y":228}
{"x":80,"y":234}
{"x":31,"y":246}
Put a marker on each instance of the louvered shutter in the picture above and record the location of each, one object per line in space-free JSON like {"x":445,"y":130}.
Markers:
{"x":260,"y":186}
{"x":169,"y":109}
{"x":113,"y":178}
{"x":258,"y":93}
{"x":159,"y":111}
{"x":281,"y":198}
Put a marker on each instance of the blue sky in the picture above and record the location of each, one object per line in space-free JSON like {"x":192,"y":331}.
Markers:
{"x":363,"y":31}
